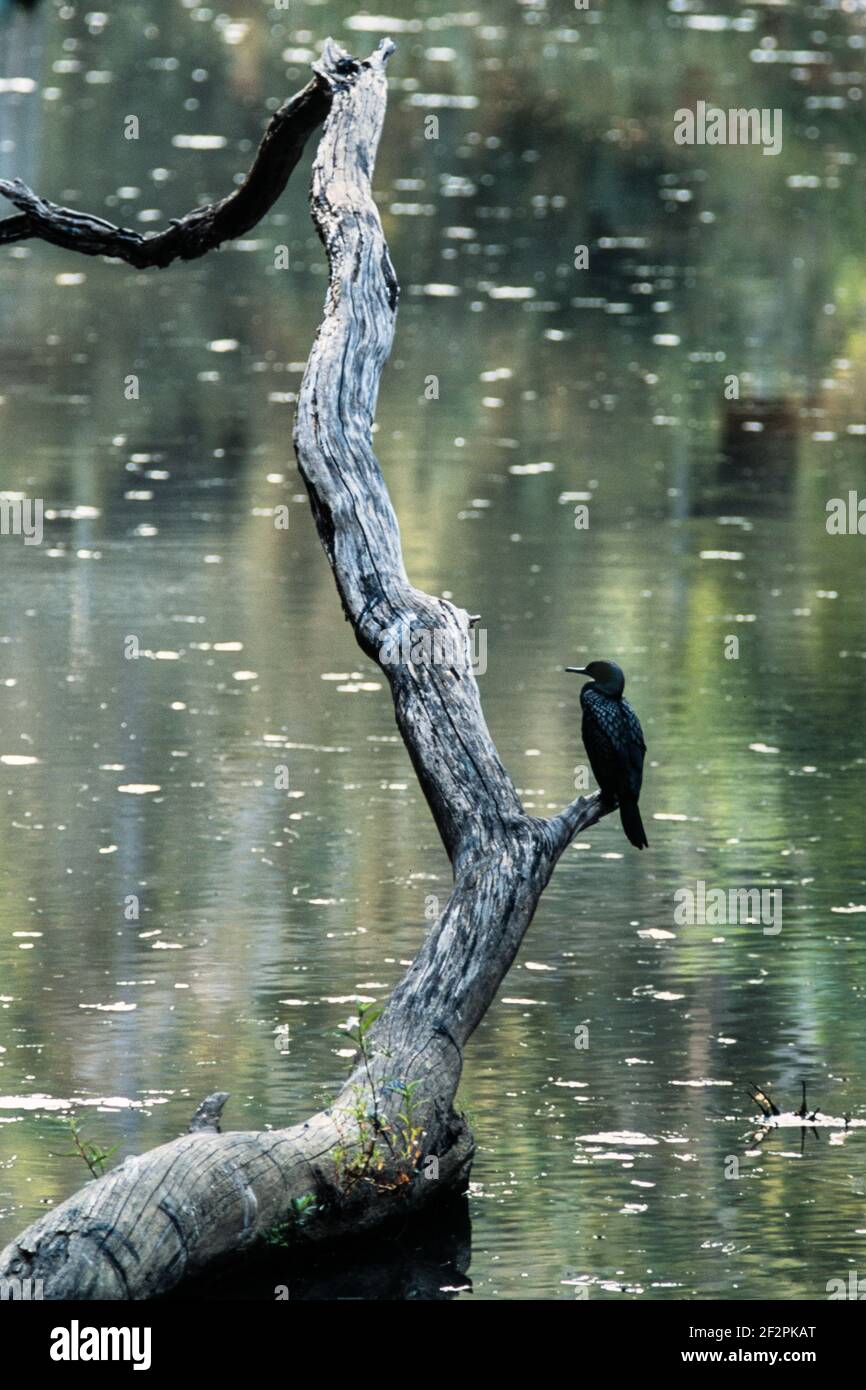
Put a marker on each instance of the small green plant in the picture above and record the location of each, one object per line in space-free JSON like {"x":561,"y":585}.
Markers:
{"x":353,"y":1163}
{"x":358,"y":1030}
{"x":363,"y":1160}
{"x":87,"y":1150}
{"x":300,"y":1210}
{"x":412,"y":1133}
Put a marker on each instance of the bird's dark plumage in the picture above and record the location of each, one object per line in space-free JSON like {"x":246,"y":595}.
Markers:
{"x":614,"y":742}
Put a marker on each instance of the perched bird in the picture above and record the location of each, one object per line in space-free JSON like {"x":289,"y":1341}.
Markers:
{"x":613,"y":739}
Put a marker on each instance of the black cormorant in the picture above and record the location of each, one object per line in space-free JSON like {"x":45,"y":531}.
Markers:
{"x":613,"y":739}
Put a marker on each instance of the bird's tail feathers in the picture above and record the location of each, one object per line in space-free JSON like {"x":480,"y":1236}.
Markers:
{"x":632,"y":824}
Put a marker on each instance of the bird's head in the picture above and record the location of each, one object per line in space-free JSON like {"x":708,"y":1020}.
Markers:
{"x":606,"y":674}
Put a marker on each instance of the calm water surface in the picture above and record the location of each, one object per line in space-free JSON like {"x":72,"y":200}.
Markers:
{"x":264,"y":907}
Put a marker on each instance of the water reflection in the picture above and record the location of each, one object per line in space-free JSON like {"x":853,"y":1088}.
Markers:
{"x":427,"y":1262}
{"x":262,"y":906}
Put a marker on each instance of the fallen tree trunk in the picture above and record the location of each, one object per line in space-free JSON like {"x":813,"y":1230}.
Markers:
{"x":391,"y":1140}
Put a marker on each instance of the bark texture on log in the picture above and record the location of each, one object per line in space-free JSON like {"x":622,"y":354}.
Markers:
{"x":174,"y":1211}
{"x":200,"y":231}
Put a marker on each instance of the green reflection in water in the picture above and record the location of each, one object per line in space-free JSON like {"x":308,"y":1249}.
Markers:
{"x":259,"y":908}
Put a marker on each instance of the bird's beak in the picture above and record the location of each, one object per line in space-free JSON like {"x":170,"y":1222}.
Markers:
{"x":580,"y":670}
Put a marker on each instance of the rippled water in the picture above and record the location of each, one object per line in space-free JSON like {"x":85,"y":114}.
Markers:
{"x":263,"y":907}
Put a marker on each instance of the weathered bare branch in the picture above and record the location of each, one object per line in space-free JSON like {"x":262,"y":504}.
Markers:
{"x":201,"y":230}
{"x":579,"y":815}
{"x":169,"y":1213}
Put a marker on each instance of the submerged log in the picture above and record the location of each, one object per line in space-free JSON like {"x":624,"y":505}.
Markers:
{"x":391,"y":1141}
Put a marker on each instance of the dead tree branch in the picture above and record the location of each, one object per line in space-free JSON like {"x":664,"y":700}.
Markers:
{"x":392,"y":1140}
{"x":200,"y":231}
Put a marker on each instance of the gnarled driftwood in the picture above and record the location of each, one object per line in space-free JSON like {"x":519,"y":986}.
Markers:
{"x":172,"y":1212}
